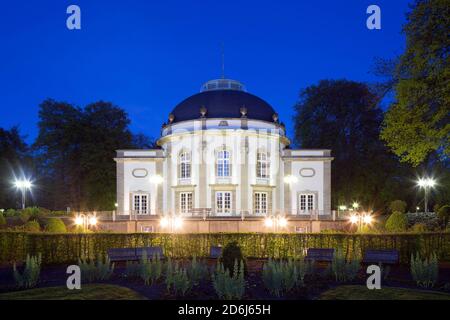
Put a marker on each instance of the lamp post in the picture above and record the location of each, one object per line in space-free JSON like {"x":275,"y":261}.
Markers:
{"x":426,"y":184}
{"x":276,"y":222}
{"x":174,"y":223}
{"x":23,"y":185}
{"x":361,"y":219}
{"x":86,"y":220}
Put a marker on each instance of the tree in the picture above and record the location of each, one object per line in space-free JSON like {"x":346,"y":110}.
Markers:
{"x":14,"y":163}
{"x":343,"y":116}
{"x":418,"y":122}
{"x":76,"y":147}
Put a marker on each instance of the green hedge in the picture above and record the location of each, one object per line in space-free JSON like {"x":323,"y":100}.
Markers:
{"x":65,"y":248}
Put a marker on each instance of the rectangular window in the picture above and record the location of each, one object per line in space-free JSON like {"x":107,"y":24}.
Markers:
{"x":260,"y":205}
{"x":140,"y":203}
{"x":223,"y":164}
{"x":262,"y":165}
{"x":306,"y":202}
{"x":186,"y":202}
{"x":223,"y":202}
{"x":185,"y":165}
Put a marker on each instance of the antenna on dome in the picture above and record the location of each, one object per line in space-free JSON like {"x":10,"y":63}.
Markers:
{"x":223,"y":60}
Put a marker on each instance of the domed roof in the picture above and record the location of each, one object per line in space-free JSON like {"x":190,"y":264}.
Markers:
{"x":222,"y":98}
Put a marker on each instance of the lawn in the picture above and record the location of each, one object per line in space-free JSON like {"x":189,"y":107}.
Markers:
{"x":87,"y":292}
{"x":362,"y":293}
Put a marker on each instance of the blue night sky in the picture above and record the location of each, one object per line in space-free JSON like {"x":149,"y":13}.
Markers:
{"x":146,"y":56}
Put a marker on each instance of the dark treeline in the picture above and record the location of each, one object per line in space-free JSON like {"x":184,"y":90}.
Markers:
{"x":71,"y":162}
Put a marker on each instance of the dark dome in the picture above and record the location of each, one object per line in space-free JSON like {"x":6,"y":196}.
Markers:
{"x":220,"y":103}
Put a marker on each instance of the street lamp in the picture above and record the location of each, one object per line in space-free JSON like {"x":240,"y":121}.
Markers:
{"x":355,"y":205}
{"x":361,"y":219}
{"x":426,"y":184}
{"x":86,"y":220}
{"x":173,"y":223}
{"x":23,"y":185}
{"x":275,"y":222}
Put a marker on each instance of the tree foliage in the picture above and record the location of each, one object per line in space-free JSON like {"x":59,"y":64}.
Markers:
{"x":344,"y":116}
{"x":418,"y":123}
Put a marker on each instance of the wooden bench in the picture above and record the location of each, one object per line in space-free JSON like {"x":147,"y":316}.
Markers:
{"x":320,"y":254}
{"x":386,"y":256}
{"x":215,"y":252}
{"x":132,"y":254}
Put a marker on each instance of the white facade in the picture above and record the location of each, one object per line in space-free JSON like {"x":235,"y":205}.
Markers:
{"x":223,"y":167}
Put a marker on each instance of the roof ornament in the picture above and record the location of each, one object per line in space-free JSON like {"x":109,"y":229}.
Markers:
{"x":203,"y":111}
{"x":171,"y":117}
{"x":275,"y":117}
{"x":243,"y":111}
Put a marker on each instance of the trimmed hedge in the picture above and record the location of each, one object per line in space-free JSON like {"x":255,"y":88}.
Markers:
{"x":66,"y":248}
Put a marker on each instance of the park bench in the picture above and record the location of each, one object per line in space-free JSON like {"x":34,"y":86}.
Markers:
{"x":386,"y":256}
{"x":320,"y":254}
{"x":131,"y":254}
{"x":215,"y":252}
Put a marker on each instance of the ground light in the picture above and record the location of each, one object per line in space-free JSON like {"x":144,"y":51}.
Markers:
{"x":361,"y":219}
{"x":174,"y":223}
{"x":23,"y":185}
{"x":426,"y":184}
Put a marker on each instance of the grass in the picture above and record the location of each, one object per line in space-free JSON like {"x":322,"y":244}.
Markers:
{"x":87,"y":292}
{"x":362,"y":293}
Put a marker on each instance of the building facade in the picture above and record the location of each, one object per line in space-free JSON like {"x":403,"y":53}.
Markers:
{"x":223,"y":156}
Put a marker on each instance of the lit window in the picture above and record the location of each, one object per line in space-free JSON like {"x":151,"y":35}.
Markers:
{"x":262,"y":165}
{"x":260,"y":203}
{"x":223,"y":163}
{"x":185,"y":165}
{"x":140,"y":203}
{"x":223,"y":202}
{"x":185,"y":202}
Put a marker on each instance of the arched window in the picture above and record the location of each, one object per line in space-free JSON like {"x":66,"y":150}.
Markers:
{"x":262,"y":165}
{"x":185,"y":165}
{"x":223,"y":163}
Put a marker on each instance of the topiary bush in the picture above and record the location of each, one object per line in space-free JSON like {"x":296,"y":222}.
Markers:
{"x":24,"y":215}
{"x":10,"y":213}
{"x":55,"y":225}
{"x":396,"y":222}
{"x":398,"y":206}
{"x":32,"y":226}
{"x":444,"y":215}
{"x":231,"y":253}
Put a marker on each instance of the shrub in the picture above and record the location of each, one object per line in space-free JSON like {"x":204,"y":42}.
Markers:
{"x":344,"y":270}
{"x":231,"y":253}
{"x":177,"y":279}
{"x":24,"y":215}
{"x":398,"y":206}
{"x":132,"y":269}
{"x":444,"y":215}
{"x":282,"y":276}
{"x":396,"y":222}
{"x":32,"y":226}
{"x":2,"y":219}
{"x":30,"y":276}
{"x":430,"y":219}
{"x":10,"y":213}
{"x":55,"y":225}
{"x":419,"y":227}
{"x":94,"y":270}
{"x":229,"y":286}
{"x":424,"y":272}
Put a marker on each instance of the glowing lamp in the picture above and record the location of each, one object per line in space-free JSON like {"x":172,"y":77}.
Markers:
{"x":268,"y":222}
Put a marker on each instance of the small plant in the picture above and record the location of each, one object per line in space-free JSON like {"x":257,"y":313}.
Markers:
{"x":132,"y":269}
{"x":228,"y":286}
{"x":177,"y":279}
{"x":150,"y":270}
{"x":344,"y":270}
{"x":30,"y":276}
{"x":32,"y":226}
{"x":419,"y":228}
{"x":398,"y":206}
{"x":94,"y":270}
{"x":196,"y":271}
{"x":443,"y":214}
{"x":424,"y":271}
{"x":273,"y":277}
{"x":2,"y":219}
